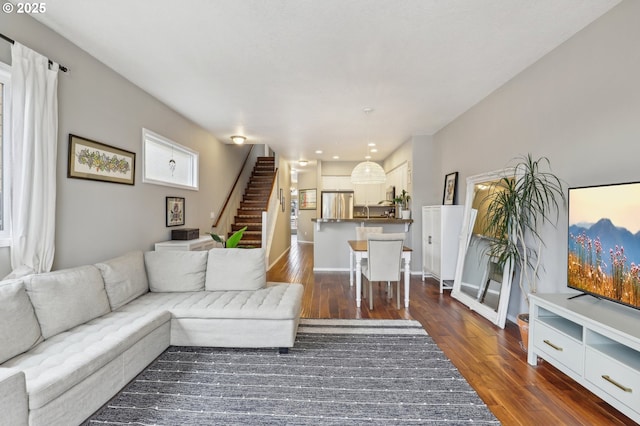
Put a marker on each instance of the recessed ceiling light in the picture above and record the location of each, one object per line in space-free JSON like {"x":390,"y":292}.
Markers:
{"x":374,"y":149}
{"x":238,"y":140}
{"x":303,"y":162}
{"x":319,"y":151}
{"x":371,"y":144}
{"x":367,"y":157}
{"x":336,"y":157}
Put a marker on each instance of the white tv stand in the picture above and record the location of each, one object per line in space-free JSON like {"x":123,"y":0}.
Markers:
{"x":595,"y":342}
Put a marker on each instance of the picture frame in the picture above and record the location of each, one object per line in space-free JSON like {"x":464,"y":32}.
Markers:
{"x":307,"y":199}
{"x":175,"y":211}
{"x":92,"y":160}
{"x":450,"y":189}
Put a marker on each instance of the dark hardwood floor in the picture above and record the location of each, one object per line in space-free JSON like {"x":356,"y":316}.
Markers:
{"x":489,"y":358}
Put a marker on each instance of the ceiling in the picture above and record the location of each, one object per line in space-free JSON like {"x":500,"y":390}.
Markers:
{"x":296,"y":74}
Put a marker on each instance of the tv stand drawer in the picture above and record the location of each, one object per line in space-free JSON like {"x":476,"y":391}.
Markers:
{"x":616,"y":379}
{"x":559,"y":346}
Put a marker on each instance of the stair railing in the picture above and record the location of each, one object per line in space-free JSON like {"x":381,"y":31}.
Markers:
{"x":225,"y":217}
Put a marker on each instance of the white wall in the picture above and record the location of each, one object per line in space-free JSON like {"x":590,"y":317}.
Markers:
{"x":97,"y":220}
{"x":282,"y":234}
{"x":579,"y":106}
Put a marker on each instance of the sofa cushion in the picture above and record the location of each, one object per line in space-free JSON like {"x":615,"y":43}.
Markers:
{"x":125,"y":278}
{"x":19,"y":328}
{"x":67,"y":298}
{"x":174,"y":270}
{"x":275,"y":301}
{"x":65,"y":360}
{"x":236,"y":269}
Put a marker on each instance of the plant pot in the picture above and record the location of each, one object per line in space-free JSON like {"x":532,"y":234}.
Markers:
{"x":406,"y":214}
{"x":523,"y":323}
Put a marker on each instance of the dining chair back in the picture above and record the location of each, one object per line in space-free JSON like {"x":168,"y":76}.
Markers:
{"x":362,"y":232}
{"x":384,"y":252}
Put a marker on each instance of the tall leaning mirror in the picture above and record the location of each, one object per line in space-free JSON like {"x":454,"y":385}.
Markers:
{"x":480,"y":283}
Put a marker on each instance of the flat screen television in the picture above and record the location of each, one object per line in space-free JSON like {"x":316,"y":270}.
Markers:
{"x":604,"y":242}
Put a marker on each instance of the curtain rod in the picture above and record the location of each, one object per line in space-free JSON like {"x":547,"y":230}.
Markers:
{"x":12,"y":41}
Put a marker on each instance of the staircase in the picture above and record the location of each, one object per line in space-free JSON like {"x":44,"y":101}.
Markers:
{"x":254,"y":202}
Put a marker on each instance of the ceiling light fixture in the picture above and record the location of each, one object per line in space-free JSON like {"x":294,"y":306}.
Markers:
{"x":368,"y":172}
{"x":303,"y":162}
{"x":238,"y":140}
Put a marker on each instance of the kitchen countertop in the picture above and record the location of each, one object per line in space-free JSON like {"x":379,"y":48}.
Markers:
{"x":364,"y":219}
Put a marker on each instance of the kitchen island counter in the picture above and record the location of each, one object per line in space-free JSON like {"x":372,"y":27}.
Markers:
{"x":366,"y":220}
{"x":330,"y":236}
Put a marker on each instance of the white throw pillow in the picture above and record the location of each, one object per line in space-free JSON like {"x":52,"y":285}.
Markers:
{"x":124,"y":278}
{"x":19,"y":328}
{"x":67,"y":298}
{"x":236,"y":269}
{"x":174,"y":270}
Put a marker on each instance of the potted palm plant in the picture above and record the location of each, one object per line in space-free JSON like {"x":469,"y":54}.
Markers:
{"x":519,"y":204}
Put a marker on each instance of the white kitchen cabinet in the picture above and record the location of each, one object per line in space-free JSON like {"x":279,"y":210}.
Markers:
{"x":593,"y":341}
{"x":337,"y":183}
{"x":205,"y":242}
{"x":369,"y":195}
{"x":441,"y":226}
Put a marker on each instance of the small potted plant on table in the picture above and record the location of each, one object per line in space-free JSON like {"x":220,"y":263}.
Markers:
{"x":402,"y":202}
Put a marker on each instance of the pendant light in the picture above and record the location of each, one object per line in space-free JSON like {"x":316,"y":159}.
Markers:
{"x":368,"y":172}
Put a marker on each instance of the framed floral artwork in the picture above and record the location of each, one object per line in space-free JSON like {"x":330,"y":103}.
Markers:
{"x":97,"y":161}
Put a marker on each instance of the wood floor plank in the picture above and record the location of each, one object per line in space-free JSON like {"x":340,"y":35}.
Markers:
{"x":490,"y":358}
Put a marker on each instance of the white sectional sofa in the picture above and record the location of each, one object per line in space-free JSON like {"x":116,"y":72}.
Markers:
{"x":71,"y":339}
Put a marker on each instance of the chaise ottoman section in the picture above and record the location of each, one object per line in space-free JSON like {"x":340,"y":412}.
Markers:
{"x":267,"y":317}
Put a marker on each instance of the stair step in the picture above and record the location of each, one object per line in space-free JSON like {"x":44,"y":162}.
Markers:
{"x":250,"y":227}
{"x":253,"y":206}
{"x":256,"y":243}
{"x":250,"y":213}
{"x":251,"y":218}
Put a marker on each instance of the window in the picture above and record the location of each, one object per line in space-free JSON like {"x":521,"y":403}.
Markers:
{"x":165,"y":162}
{"x":5,"y":81}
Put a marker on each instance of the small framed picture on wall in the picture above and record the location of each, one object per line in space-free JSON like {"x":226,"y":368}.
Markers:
{"x":450,"y":188}
{"x":175,"y":211}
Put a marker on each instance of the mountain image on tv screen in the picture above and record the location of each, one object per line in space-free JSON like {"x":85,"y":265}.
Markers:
{"x":604,"y":242}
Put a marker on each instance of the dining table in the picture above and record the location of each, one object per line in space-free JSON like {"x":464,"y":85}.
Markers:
{"x":357,"y":252}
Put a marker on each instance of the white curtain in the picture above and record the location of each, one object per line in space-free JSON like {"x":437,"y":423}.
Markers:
{"x":33,"y":151}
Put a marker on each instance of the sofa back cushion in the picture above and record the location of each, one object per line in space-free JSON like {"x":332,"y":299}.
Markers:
{"x":236,"y":269}
{"x":125,"y":278}
{"x":19,"y":328}
{"x":174,"y":270}
{"x":67,"y":298}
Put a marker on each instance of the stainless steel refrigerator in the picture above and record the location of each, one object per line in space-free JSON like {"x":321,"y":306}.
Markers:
{"x":337,"y":204}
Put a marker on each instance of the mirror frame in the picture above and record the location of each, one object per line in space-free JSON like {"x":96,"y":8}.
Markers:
{"x":499,"y":316}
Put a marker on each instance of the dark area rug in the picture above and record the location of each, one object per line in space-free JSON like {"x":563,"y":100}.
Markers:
{"x":340,"y":372}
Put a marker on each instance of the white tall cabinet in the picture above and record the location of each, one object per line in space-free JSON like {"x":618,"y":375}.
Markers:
{"x":441,"y":226}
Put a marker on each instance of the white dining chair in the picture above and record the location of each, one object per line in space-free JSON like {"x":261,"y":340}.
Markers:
{"x":384,"y":252}
{"x":363,"y":231}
